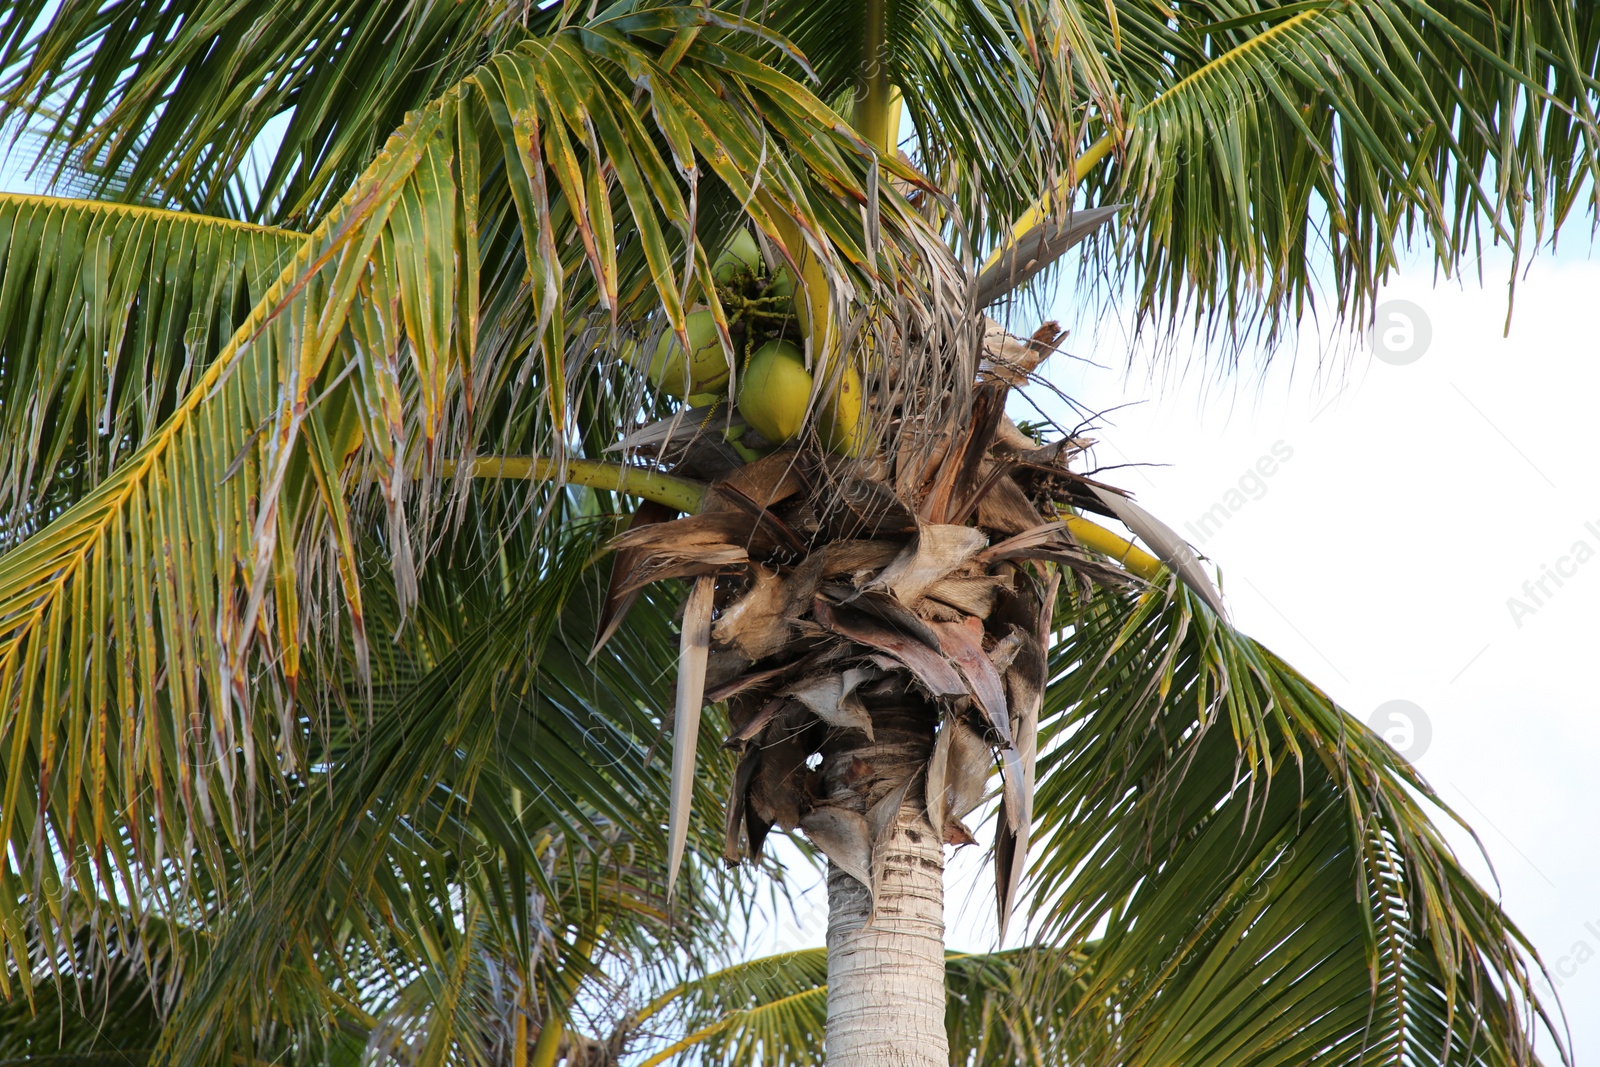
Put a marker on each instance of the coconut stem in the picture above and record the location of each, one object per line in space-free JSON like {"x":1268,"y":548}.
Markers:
{"x":1048,"y":204}
{"x":668,"y":489}
{"x":1097,"y":538}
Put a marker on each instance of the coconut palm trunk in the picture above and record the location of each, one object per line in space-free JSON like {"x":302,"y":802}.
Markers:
{"x":886,"y":974}
{"x":886,"y":994}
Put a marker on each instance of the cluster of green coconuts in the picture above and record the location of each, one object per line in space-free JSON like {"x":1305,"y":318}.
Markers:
{"x":774,"y":386}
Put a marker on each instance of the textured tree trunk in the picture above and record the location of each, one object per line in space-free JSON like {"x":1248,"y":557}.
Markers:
{"x":886,"y":993}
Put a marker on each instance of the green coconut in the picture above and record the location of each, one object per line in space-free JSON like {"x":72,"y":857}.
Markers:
{"x":705,"y":371}
{"x":842,"y":418}
{"x":741,"y":256}
{"x":774,"y":391}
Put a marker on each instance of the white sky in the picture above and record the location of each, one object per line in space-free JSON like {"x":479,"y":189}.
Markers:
{"x":1379,"y":559}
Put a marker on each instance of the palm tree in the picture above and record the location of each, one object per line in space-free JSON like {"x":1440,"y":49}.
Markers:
{"x":300,"y":403}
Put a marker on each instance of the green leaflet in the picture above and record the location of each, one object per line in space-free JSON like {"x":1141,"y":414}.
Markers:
{"x":1259,"y":881}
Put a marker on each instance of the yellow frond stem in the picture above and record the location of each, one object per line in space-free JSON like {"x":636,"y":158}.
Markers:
{"x":700,"y":1036}
{"x":875,"y":110}
{"x":1036,"y":214}
{"x":548,"y":1046}
{"x":813,"y":305}
{"x":675,"y":492}
{"x":1097,"y":538}
{"x":156,"y":214}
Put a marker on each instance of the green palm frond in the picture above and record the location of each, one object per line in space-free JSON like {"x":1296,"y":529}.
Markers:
{"x":108,"y":1016}
{"x":107,"y":315}
{"x":114,"y":991}
{"x":1267,"y":149}
{"x":459,"y":863}
{"x":989,"y":105}
{"x":177,"y":115}
{"x":1016,"y":1005}
{"x":169,"y":100}
{"x":1262,"y":881}
{"x":772,"y":1009}
{"x":171,"y":591}
{"x":497,"y":825}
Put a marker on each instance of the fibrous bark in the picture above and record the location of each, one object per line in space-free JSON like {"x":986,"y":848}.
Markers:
{"x":878,"y":630}
{"x":886,"y":935}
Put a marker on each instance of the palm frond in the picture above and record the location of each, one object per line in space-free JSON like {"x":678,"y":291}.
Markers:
{"x":171,"y":591}
{"x":492,"y":838}
{"x":772,"y":1009}
{"x":107,"y":314}
{"x":1004,"y":1008}
{"x":1267,"y":149}
{"x":1259,"y":873}
{"x":113,"y":993}
{"x":423,"y":888}
{"x":173,"y":100}
{"x":991,"y":107}
{"x":170,"y":100}
{"x":105,"y":1016}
